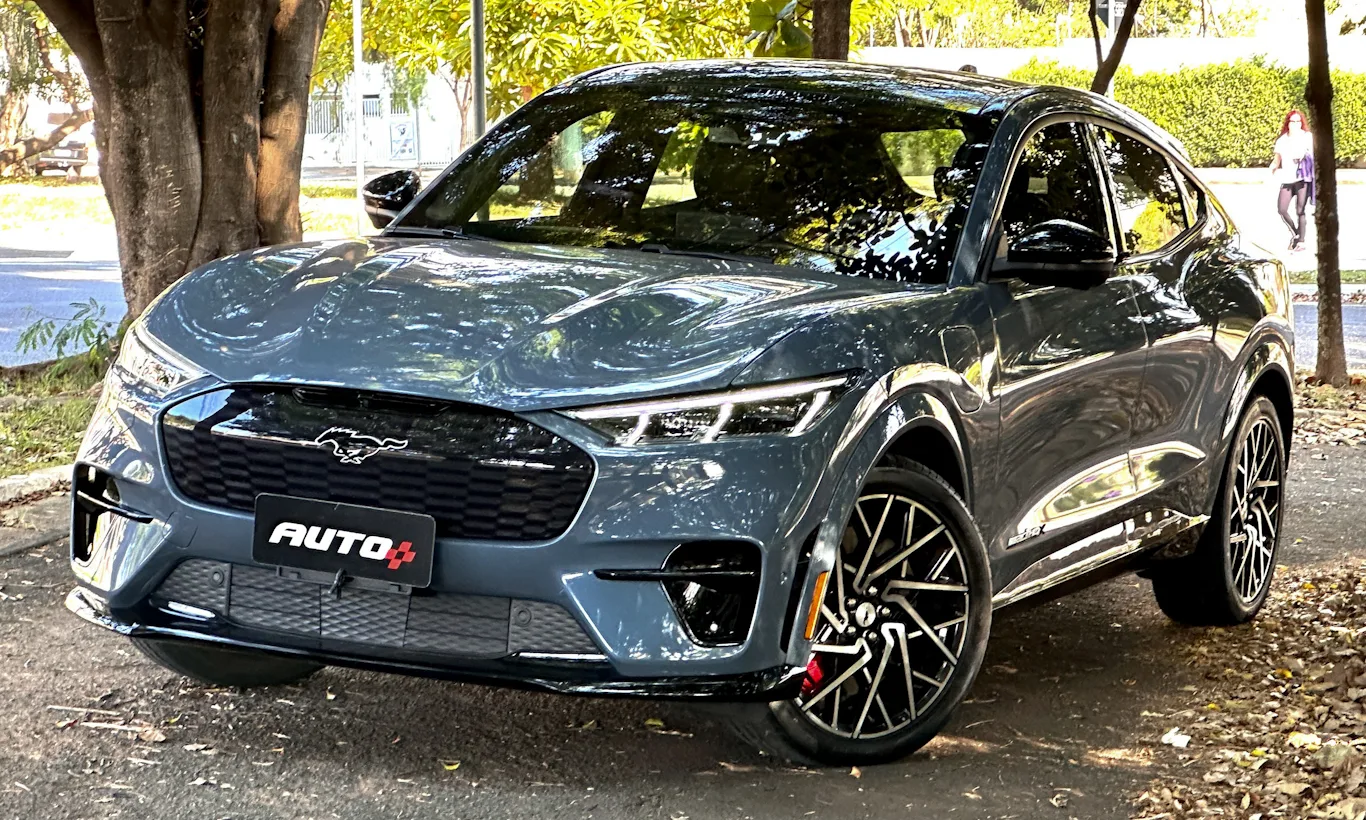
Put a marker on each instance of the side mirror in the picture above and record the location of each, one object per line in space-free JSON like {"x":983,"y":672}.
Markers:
{"x":1059,"y":253}
{"x":386,"y":195}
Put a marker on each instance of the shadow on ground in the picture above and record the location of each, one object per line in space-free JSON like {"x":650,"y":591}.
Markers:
{"x":1064,"y":722}
{"x":1056,"y":716}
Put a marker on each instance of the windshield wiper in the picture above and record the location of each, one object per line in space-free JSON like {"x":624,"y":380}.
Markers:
{"x":665,"y":250}
{"x":417,"y":230}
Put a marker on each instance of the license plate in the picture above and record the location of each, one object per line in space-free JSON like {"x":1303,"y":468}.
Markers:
{"x":365,"y":542}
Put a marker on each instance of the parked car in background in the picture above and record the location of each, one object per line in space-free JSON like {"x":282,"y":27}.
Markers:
{"x":69,"y":157}
{"x":760,"y":382}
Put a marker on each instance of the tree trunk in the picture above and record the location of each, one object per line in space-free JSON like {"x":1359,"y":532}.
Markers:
{"x":830,"y":29}
{"x":230,"y":136}
{"x":200,"y":133}
{"x":13,"y":110}
{"x":1331,"y":366}
{"x":1105,"y":72}
{"x":294,"y":36}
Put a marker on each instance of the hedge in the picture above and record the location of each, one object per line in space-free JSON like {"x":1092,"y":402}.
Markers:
{"x":1227,"y":114}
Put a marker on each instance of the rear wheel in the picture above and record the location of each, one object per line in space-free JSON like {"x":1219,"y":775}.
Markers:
{"x":225,"y":667}
{"x":901,"y":634}
{"x":1226,"y":580}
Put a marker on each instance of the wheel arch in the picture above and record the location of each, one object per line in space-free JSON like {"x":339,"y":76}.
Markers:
{"x":1267,"y":371}
{"x":913,"y":422}
{"x":927,"y":441}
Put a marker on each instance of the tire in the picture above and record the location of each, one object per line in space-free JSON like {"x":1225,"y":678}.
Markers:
{"x":812,"y":728}
{"x":1226,"y":580}
{"x":224,"y":667}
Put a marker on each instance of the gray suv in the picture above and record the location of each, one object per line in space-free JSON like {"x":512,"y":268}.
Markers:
{"x":759,"y":382}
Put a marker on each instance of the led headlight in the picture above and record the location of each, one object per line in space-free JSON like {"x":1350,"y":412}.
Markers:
{"x":147,"y":366}
{"x":788,"y":408}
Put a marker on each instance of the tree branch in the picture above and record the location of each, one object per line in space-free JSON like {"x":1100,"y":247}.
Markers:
{"x":1095,"y":34}
{"x":32,"y":146}
{"x":1105,"y":73}
{"x":72,"y":88}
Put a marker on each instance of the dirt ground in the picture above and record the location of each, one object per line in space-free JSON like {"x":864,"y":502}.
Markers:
{"x":1064,"y":722}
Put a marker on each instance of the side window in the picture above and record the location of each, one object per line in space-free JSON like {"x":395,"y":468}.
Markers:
{"x":1195,"y":199}
{"x":543,"y":186}
{"x":1054,"y":179}
{"x":1147,"y":201}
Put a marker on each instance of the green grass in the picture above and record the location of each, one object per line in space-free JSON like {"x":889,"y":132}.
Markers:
{"x":51,"y":205}
{"x":31,"y":202}
{"x":44,"y":414}
{"x":1309,"y":277}
{"x":50,"y":181}
{"x":328,"y":190}
{"x":42,"y":434}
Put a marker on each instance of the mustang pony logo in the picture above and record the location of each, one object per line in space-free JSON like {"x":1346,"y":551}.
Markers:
{"x":352,"y":447}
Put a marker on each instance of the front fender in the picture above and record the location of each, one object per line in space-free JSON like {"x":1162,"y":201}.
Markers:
{"x":906,"y":400}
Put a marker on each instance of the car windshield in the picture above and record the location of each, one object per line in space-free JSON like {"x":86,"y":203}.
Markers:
{"x":828,"y":182}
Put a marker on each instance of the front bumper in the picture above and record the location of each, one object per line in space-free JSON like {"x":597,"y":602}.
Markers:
{"x":773,"y":494}
{"x":587,"y":678}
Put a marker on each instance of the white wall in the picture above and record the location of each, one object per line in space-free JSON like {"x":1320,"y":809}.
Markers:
{"x":1142,"y":53}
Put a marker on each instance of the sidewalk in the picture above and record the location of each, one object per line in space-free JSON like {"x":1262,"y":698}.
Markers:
{"x":1257,"y":176}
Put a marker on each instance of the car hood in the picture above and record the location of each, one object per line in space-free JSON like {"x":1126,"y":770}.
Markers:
{"x":515,"y":326}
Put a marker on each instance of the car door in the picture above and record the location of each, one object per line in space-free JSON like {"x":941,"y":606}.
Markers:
{"x":1160,"y":250}
{"x":1070,"y":368}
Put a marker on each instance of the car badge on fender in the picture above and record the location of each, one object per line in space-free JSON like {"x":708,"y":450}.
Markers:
{"x":352,"y":447}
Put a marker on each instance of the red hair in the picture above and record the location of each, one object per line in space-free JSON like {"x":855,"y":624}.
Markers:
{"x":1285,"y":123}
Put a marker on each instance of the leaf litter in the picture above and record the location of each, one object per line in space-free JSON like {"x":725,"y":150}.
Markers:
{"x":1277,"y":726}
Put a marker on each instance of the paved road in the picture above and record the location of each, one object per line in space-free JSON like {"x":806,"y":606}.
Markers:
{"x":31,"y":288}
{"x":1068,"y":710}
{"x":1353,"y":332}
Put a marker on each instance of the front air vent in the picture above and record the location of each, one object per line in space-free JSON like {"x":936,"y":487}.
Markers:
{"x":714,"y":586}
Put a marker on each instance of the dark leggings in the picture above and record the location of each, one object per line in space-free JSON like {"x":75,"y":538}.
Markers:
{"x":1299,"y":191}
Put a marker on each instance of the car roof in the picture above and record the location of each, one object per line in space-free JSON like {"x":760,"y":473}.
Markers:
{"x":957,"y":90}
{"x":969,"y":93}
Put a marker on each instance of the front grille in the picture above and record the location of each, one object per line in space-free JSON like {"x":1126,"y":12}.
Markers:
{"x":471,"y":626}
{"x":480,"y":473}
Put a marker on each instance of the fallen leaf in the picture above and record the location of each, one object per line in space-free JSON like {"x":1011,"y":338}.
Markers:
{"x":152,"y":735}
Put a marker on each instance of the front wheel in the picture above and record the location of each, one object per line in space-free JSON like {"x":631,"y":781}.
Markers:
{"x":902,"y":630}
{"x":1226,"y":581}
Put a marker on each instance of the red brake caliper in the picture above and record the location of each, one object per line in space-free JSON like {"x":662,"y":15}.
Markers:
{"x":814,"y":675}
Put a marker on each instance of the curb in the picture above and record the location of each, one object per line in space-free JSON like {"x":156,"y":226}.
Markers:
{"x":19,"y":487}
{"x":42,"y":539}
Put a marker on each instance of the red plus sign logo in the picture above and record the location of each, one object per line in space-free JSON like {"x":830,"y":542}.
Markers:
{"x":400,"y":555}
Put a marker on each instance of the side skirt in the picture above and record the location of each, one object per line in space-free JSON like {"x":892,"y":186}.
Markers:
{"x":1095,"y":552}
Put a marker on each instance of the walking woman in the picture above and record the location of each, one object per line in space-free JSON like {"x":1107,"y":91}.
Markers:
{"x":1293,"y":168}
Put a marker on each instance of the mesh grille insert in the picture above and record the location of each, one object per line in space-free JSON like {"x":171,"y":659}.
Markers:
{"x":480,"y":473}
{"x":471,"y":626}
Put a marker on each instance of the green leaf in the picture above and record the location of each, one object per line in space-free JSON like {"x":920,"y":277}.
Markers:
{"x":762,"y":17}
{"x":794,"y":36}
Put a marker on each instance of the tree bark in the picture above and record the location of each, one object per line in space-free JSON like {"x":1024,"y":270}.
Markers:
{"x":13,"y":110}
{"x":230,"y":139}
{"x":1331,"y":366}
{"x":294,"y":36}
{"x":830,"y":29}
{"x":153,"y":173}
{"x":200,"y":133}
{"x":1105,"y":72}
